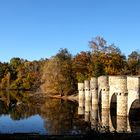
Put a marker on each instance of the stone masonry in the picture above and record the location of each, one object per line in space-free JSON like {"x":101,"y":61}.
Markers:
{"x":103,"y":89}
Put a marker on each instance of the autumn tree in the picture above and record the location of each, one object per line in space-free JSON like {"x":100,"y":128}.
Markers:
{"x":106,"y":59}
{"x":80,"y":65}
{"x":28,"y":76}
{"x":58,"y":77}
{"x":15,"y":62}
{"x":4,"y":68}
{"x":134,"y":63}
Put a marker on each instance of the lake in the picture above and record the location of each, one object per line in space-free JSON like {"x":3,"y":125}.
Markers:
{"x":22,"y":112}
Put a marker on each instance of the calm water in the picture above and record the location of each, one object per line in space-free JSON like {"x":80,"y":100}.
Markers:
{"x":21,"y":113}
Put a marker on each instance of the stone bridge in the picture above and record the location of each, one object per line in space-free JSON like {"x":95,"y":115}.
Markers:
{"x":105,"y":91}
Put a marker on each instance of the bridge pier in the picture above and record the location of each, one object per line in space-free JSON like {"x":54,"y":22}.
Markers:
{"x":105,"y":97}
{"x":94,"y":105}
{"x":121,"y":124}
{"x":87,"y":110}
{"x":94,"y":117}
{"x":102,"y":86}
{"x":94,"y":90}
{"x":81,"y":96}
{"x":105,"y":120}
{"x":122,"y":96}
{"x":87,"y":90}
{"x":87,"y":100}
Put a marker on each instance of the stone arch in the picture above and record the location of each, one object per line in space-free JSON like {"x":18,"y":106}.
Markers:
{"x":113,"y":100}
{"x":134,"y":105}
{"x":133,"y":118}
{"x":99,"y":96}
{"x":113,"y":112}
{"x":132,"y":97}
{"x":99,"y":103}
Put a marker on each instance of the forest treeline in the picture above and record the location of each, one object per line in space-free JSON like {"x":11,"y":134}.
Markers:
{"x":60,"y":73}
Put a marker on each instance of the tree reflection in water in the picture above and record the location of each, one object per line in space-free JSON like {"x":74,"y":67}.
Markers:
{"x":17,"y":104}
{"x":60,"y":117}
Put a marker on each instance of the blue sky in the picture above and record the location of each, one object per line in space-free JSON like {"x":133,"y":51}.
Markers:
{"x":34,"y":29}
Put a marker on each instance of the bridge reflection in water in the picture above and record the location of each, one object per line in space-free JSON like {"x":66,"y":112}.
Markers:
{"x":103,"y":120}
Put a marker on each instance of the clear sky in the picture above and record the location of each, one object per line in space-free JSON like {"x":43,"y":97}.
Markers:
{"x":34,"y":29}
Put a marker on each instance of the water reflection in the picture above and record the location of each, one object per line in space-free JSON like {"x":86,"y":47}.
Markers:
{"x":32,"y":124}
{"x":104,"y":120}
{"x":24,"y":112}
{"x":94,"y":117}
{"x":57,"y":116}
{"x":17,"y":104}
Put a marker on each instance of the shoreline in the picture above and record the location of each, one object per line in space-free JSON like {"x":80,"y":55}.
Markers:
{"x":45,"y":95}
{"x":69,"y":97}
